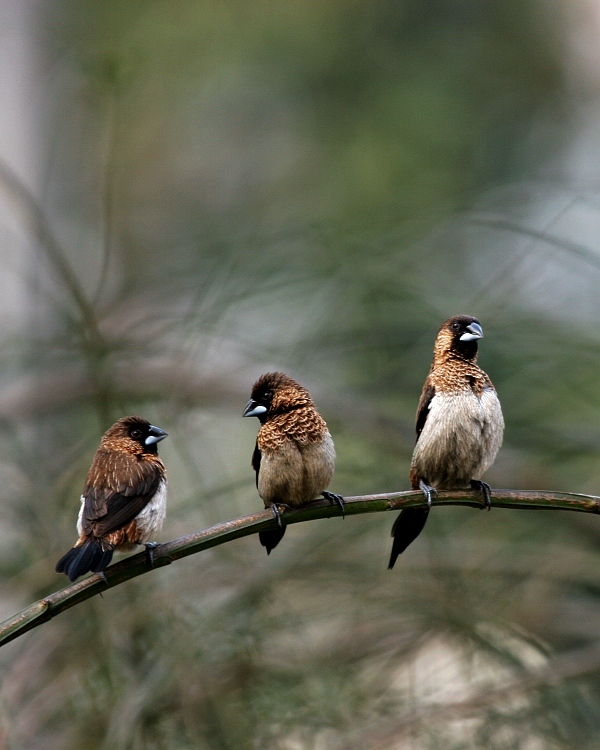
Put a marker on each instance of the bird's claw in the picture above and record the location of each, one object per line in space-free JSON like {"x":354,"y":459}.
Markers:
{"x":333,"y":497}
{"x":277,"y":513}
{"x":427,"y":491}
{"x":485,"y":489}
{"x":102,"y":577}
{"x":150,"y":547}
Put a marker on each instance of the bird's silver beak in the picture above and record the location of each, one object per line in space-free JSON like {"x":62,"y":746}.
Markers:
{"x":473,"y":332}
{"x":254,"y":409}
{"x":155,"y":435}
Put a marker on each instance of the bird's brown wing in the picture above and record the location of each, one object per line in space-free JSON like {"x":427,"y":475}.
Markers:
{"x":118,"y":487}
{"x":427,"y":395}
{"x":256,"y":456}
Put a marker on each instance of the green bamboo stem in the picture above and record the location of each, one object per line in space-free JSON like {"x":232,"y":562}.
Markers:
{"x":50,"y":606}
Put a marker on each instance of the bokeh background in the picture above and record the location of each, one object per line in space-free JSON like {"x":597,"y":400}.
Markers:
{"x":193,"y":193}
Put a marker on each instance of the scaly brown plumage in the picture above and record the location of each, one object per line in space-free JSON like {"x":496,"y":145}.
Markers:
{"x":123,"y":503}
{"x":294,"y":455}
{"x":459,"y":426}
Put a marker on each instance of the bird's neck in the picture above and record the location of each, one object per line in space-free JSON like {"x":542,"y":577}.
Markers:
{"x":467,"y":354}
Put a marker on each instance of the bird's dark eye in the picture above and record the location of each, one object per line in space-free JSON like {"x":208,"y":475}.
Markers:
{"x":455,"y":326}
{"x":267,"y":395}
{"x":136,"y":434}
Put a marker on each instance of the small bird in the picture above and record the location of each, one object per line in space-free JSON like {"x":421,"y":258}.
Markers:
{"x":294,"y":455}
{"x":459,"y":426}
{"x":124,"y":500}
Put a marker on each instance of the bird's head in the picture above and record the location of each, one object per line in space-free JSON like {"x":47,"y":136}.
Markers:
{"x":275,"y":393}
{"x":135,"y":435}
{"x":459,"y":335}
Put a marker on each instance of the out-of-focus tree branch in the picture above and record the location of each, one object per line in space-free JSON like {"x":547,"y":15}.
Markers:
{"x":52,"y":605}
{"x":36,"y":223}
{"x":93,"y":343}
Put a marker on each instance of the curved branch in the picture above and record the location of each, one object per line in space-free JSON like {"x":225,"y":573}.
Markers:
{"x":136,"y":565}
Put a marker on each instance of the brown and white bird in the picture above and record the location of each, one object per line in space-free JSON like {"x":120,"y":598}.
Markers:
{"x":459,"y":426}
{"x":294,"y":455}
{"x":124,"y":500}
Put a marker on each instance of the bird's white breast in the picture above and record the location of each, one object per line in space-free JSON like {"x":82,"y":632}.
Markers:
{"x":296,"y":473}
{"x":80,"y":517}
{"x":152,"y":516}
{"x":460,"y":438}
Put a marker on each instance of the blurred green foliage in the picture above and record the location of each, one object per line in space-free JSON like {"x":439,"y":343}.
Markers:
{"x":228,"y":188}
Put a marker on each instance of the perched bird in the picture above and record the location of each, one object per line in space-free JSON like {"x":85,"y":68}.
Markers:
{"x":294,"y":454}
{"x":459,"y":426}
{"x":124,"y":499}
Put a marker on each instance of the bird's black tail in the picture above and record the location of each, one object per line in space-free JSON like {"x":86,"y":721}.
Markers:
{"x":89,"y":557}
{"x":270,"y":539}
{"x":406,"y":529}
